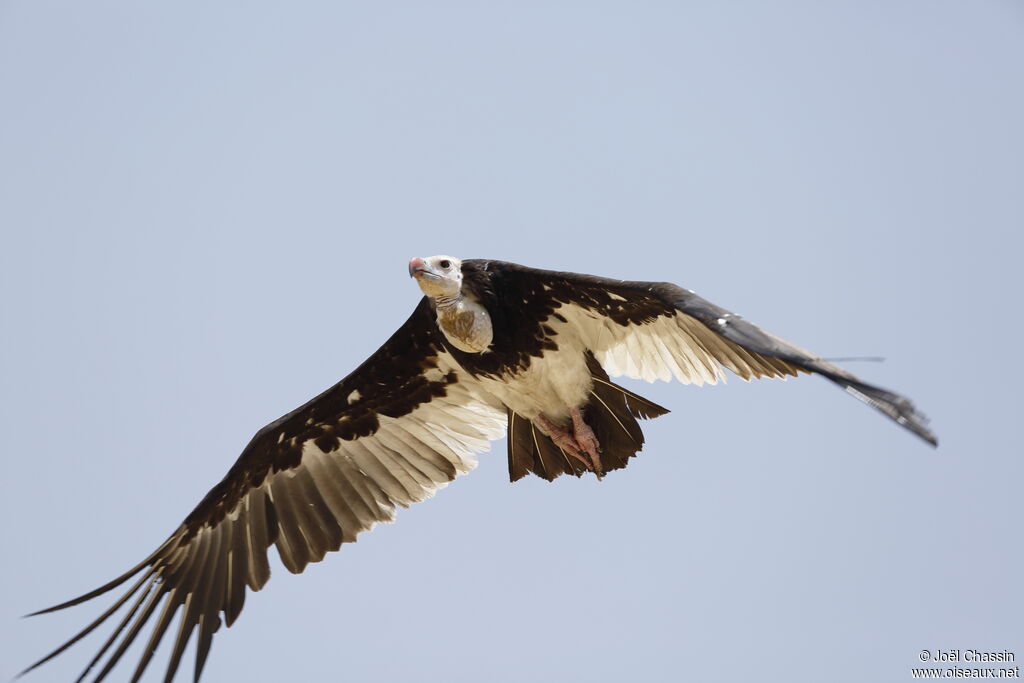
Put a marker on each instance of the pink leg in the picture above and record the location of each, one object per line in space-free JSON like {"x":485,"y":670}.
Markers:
{"x":586,"y":440}
{"x":563,"y":438}
{"x":579,"y":442}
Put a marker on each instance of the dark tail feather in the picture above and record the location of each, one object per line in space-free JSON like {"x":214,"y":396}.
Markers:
{"x":530,"y":450}
{"x":612,"y":413}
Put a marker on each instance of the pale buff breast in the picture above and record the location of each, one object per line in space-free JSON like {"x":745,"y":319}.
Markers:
{"x":552,"y":384}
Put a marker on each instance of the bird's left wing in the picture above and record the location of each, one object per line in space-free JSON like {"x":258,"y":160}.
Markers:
{"x":401,"y":426}
{"x":658,"y":330}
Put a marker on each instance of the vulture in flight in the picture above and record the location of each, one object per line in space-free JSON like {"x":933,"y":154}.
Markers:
{"x":493,"y":348}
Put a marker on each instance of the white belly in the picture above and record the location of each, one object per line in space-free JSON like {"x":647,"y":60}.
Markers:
{"x":552,"y":385}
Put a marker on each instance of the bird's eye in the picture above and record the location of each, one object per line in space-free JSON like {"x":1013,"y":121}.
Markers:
{"x":445,"y":264}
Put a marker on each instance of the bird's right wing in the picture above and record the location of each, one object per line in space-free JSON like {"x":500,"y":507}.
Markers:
{"x":401,"y":426}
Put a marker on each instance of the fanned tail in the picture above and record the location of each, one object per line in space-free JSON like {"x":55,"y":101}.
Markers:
{"x":612,"y":413}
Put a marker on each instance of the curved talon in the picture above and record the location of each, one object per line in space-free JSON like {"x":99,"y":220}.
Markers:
{"x":579,"y":442}
{"x":587,"y":441}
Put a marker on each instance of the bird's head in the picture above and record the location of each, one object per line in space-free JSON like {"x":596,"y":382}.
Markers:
{"x":438,"y":276}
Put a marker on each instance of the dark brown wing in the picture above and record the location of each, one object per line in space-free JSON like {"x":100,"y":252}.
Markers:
{"x":657,"y":330}
{"x":401,"y":426}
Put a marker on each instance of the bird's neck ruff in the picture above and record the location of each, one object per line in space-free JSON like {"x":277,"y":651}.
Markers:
{"x":447,"y":302}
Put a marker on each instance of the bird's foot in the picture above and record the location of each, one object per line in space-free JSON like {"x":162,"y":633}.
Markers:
{"x":586,"y":441}
{"x":579,"y":442}
{"x":563,"y":438}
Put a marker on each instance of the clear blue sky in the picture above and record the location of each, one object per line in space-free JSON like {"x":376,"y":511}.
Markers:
{"x":207,"y":209}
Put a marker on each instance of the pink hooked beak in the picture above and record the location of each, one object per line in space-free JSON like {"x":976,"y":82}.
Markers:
{"x":418,"y":267}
